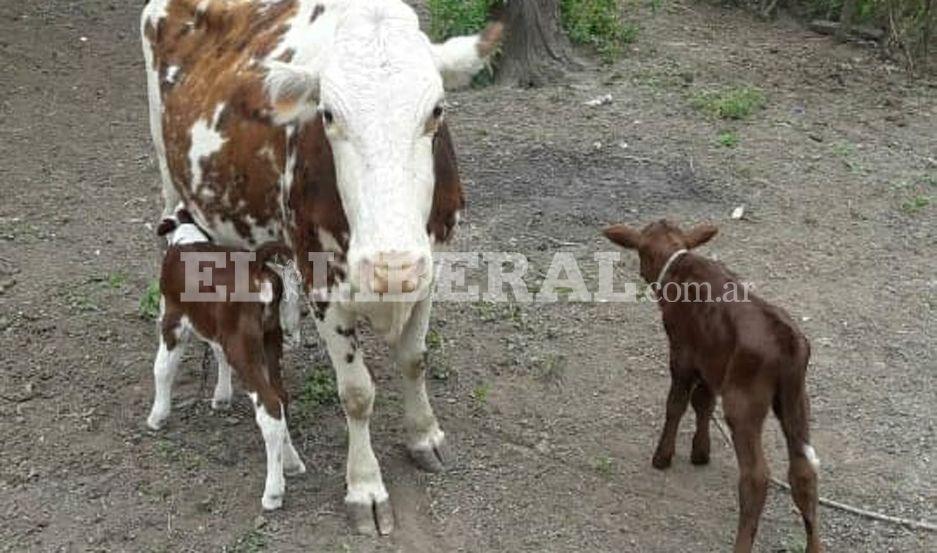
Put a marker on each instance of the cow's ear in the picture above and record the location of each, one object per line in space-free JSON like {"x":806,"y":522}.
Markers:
{"x":448,"y":199}
{"x":293,"y":91}
{"x":700,"y":234}
{"x":624,"y":236}
{"x":460,"y":58}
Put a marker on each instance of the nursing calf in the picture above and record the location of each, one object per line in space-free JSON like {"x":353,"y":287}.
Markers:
{"x":738,"y":347}
{"x":245,"y":335}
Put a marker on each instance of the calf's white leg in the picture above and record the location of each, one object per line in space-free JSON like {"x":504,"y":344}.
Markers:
{"x":367,"y":500}
{"x":425,"y":440}
{"x":221,"y":399}
{"x":164,"y":372}
{"x":275,"y":437}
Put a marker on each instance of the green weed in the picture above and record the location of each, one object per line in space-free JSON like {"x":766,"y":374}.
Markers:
{"x":599,"y":24}
{"x":916,"y":204}
{"x":732,"y":103}
{"x":149,"y":302}
{"x":318,"y":389}
{"x":480,"y":393}
{"x":604,"y":465}
{"x":449,"y":18}
{"x":728,"y":139}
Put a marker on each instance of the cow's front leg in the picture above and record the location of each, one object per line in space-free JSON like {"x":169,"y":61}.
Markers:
{"x":425,"y":441}
{"x":367,"y":501}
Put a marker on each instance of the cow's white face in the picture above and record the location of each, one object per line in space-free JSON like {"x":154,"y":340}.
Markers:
{"x":380,"y":100}
{"x":378,"y":87}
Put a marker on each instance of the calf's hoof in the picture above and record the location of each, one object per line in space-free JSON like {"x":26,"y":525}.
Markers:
{"x":154,"y":422}
{"x":372,"y":518}
{"x":272,"y":502}
{"x":661,"y":462}
{"x":699,"y":457}
{"x":432,"y":458}
{"x":221,"y":404}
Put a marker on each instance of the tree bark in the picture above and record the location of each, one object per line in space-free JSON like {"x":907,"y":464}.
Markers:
{"x":846,"y":17}
{"x":536,"y":50}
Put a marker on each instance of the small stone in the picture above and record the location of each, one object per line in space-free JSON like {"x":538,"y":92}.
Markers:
{"x":738,"y":212}
{"x":260,"y":522}
{"x":5,"y":323}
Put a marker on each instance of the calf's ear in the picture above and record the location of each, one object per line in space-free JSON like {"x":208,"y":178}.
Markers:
{"x":700,"y":234}
{"x":624,"y":236}
{"x":166,"y":226}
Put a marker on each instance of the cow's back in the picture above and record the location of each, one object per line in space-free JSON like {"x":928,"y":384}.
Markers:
{"x":218,"y":149}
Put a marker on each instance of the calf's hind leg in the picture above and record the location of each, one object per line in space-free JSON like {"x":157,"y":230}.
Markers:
{"x":746,"y":416}
{"x":246,"y":355}
{"x":173,"y":338}
{"x":273,"y":349}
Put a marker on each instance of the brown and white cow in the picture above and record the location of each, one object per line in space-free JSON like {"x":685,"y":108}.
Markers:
{"x":321,"y":123}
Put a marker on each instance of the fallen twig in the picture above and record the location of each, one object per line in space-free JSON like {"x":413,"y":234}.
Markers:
{"x":916,"y":524}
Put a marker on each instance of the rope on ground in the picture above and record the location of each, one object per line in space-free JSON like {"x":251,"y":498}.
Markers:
{"x":915,"y":524}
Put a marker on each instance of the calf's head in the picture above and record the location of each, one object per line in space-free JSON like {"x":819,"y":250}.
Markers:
{"x":378,"y":88}
{"x":657,"y":241}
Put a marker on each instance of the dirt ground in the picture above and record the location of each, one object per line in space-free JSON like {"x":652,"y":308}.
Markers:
{"x":553,"y":410}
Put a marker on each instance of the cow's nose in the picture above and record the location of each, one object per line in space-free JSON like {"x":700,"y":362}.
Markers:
{"x":394,"y":272}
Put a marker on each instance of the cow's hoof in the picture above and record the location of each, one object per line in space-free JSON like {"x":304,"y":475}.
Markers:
{"x":432,"y":458}
{"x":374,"y":518}
{"x":294,"y":468}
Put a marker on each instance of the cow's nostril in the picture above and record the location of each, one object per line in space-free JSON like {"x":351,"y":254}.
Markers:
{"x":395,"y":272}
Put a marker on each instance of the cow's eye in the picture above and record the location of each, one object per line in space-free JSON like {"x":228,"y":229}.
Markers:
{"x":328,"y":117}
{"x":437,"y":112}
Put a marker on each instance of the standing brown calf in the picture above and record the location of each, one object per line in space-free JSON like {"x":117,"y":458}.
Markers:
{"x":245,"y":334}
{"x":736,"y":346}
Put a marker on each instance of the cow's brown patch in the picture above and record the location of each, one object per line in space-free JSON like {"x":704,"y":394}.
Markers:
{"x":215,"y":49}
{"x":448,"y":198}
{"x":316,"y":12}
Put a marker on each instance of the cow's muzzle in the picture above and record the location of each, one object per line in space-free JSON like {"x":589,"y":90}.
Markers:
{"x":393,"y":272}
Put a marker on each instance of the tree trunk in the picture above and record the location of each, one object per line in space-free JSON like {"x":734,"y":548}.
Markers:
{"x":846,"y":17}
{"x":536,"y":50}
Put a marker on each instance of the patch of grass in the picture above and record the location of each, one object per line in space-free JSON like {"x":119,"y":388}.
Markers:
{"x":551,"y":369}
{"x":434,"y":341}
{"x":319,"y":388}
{"x":844,"y":149}
{"x":604,"y":465}
{"x":481,"y":393}
{"x":449,"y":18}
{"x":732,"y":103}
{"x":80,"y":300}
{"x":116,"y":280}
{"x":916,"y":204}
{"x":250,"y":541}
{"x":436,"y":360}
{"x":728,"y":139}
{"x":149,"y":302}
{"x":497,"y":311}
{"x":599,"y":24}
